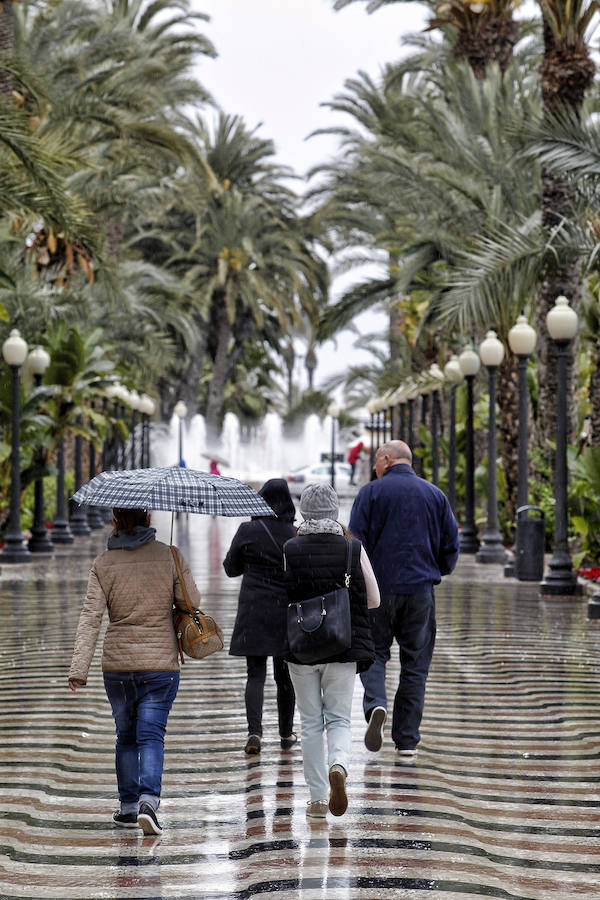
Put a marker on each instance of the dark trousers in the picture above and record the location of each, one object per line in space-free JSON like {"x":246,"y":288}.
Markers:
{"x":255,"y":689}
{"x":410,"y":618}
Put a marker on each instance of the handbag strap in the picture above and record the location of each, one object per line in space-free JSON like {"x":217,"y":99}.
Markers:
{"x":186,"y":597}
{"x":348,"y":572}
{"x":279,"y":549}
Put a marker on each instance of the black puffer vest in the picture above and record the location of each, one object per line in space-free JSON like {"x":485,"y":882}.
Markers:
{"x":315,"y":564}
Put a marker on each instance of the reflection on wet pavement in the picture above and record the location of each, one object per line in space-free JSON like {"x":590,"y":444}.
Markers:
{"x":503,"y":800}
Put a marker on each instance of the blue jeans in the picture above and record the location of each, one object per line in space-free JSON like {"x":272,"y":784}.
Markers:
{"x":324,"y":700}
{"x":141,"y":702}
{"x":410,"y":618}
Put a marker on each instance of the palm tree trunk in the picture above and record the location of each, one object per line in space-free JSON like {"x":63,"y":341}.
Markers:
{"x":487,"y":39}
{"x":595,"y":397}
{"x":221,"y":368}
{"x":566,"y":73}
{"x":508,"y":401}
{"x":6,"y":43}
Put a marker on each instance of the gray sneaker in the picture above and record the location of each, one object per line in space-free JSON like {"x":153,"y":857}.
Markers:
{"x":374,"y":732}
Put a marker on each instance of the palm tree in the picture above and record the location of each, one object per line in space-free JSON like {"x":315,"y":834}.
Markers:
{"x":480,"y":31}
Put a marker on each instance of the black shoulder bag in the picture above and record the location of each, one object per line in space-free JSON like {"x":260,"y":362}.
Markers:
{"x":319,"y":627}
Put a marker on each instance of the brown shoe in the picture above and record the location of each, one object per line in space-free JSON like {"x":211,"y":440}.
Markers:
{"x":338,"y":801}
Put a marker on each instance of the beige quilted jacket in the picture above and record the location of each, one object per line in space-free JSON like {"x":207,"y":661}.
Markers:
{"x":137,"y":587}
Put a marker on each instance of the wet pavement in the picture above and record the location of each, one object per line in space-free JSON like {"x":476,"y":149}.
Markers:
{"x":503,"y":801}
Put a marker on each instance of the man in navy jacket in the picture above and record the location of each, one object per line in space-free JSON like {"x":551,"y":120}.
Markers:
{"x":408,"y":529}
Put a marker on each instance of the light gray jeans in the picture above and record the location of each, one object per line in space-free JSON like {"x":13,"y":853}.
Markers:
{"x":324,"y":699}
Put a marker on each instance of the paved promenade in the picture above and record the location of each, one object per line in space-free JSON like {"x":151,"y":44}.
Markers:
{"x":503,"y":801}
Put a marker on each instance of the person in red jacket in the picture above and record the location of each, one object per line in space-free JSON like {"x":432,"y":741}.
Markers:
{"x":353,"y":456}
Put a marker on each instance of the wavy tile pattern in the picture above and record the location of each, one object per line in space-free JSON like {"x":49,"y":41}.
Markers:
{"x":504,"y":800}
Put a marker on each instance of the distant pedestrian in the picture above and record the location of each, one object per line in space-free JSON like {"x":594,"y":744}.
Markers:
{"x":256,"y":553}
{"x":315,"y":563}
{"x":136,"y":580}
{"x":409,"y":531}
{"x":353,"y":457}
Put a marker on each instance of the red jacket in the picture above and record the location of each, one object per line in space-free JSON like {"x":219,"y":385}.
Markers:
{"x":355,"y":452}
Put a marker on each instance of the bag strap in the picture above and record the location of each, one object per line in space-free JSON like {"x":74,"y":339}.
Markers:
{"x":190,"y":608}
{"x":348,"y":572}
{"x":279,"y":549}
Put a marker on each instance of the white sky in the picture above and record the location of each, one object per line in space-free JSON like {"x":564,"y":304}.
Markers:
{"x":278,"y":60}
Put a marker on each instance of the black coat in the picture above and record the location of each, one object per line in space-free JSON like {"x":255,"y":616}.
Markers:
{"x":261,"y":621}
{"x":315,"y":565}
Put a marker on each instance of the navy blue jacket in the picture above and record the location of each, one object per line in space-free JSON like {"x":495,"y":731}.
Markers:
{"x":408,"y":529}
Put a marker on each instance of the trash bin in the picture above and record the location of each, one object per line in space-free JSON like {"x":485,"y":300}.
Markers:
{"x":529,"y":547}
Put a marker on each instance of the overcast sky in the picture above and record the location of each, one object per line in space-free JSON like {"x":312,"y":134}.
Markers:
{"x":278,"y":61}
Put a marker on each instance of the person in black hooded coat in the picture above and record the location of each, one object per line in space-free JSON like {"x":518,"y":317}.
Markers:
{"x":256,"y":553}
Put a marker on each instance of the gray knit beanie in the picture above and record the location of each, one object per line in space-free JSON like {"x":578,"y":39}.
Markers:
{"x":319,"y":501}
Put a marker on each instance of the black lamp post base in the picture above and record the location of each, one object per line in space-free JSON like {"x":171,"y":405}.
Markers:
{"x":15,"y":551}
{"x":61,"y":533}
{"x":40,"y":543}
{"x":594,"y":606}
{"x":491,"y":550}
{"x":469,"y":542}
{"x":560,"y":578}
{"x":95,"y":518}
{"x":510,"y":570}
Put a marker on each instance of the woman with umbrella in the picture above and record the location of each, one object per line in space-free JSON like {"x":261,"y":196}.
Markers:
{"x":136,"y":579}
{"x":256,"y":552}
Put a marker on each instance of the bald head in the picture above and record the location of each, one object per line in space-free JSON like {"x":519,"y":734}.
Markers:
{"x":391,"y":454}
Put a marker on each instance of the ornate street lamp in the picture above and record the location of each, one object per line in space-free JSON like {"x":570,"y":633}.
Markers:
{"x":180,"y":411}
{"x":469,"y":366}
{"x":454,"y":377}
{"x":14,"y":351}
{"x":491,"y":352}
{"x":412,"y":392}
{"x":560,"y":578}
{"x":39,"y":542}
{"x":521,"y":339}
{"x":402,"y":413}
{"x":333,"y":411}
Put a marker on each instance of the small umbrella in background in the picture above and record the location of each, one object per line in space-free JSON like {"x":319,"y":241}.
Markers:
{"x":216,"y":457}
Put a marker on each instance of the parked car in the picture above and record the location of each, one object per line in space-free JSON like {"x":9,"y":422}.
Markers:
{"x":299,"y":478}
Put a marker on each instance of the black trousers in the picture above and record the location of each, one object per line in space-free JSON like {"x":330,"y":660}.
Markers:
{"x":255,"y":689}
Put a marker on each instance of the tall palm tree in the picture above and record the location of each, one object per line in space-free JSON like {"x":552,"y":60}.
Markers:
{"x":481,"y":31}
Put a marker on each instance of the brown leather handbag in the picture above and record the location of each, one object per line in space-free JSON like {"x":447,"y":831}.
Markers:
{"x":197,"y":635}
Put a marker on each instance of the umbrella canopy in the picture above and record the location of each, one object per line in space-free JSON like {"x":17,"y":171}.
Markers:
{"x":174,"y":489}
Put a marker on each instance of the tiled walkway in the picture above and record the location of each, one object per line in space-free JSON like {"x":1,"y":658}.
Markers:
{"x":504,"y":800}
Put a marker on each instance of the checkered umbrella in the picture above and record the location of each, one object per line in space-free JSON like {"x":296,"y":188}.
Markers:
{"x":175,"y":489}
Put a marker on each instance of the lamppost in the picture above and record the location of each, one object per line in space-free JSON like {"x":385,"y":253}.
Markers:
{"x":180,"y":411}
{"x":146,"y":408}
{"x":521,"y":339}
{"x":469,"y":366}
{"x":14,"y":351}
{"x":454,"y":376}
{"x":437,"y":379}
{"x":333,"y":411}
{"x":412,"y":392}
{"x":402,"y":413}
{"x":491,"y":352}
{"x":560,"y":578}
{"x":39,"y":542}
{"x":78,"y":518}
{"x":134,"y":402}
{"x":95,"y":514}
{"x":371,"y":427}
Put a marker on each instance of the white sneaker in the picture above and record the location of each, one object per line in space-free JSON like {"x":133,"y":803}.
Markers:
{"x":374,"y":732}
{"x":407,"y":756}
